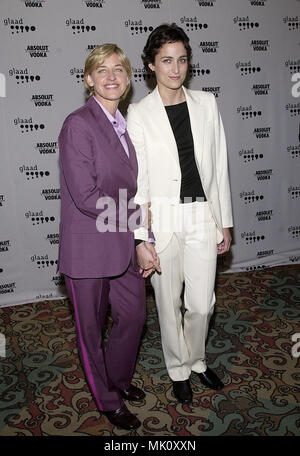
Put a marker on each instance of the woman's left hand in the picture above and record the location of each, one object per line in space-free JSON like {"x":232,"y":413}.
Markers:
{"x":224,"y":246}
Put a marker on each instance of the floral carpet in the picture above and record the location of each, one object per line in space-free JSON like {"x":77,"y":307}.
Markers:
{"x":252,"y":345}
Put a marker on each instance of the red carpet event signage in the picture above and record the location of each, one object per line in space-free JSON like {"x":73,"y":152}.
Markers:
{"x":246,"y":52}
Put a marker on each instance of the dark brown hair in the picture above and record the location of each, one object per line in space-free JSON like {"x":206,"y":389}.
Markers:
{"x":164,"y":33}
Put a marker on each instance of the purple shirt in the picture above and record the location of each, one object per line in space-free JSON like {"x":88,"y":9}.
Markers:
{"x":119,"y":124}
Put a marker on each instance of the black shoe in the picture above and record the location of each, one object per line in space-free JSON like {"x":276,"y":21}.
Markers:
{"x":123,"y":418}
{"x":133,"y":393}
{"x":182,"y":391}
{"x":210,"y":379}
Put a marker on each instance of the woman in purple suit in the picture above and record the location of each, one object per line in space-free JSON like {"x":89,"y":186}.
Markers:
{"x":98,"y":254}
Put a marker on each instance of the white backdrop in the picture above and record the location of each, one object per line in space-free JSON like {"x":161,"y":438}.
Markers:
{"x":245,"y":51}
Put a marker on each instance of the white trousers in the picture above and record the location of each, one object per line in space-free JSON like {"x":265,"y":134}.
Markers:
{"x":190,"y":259}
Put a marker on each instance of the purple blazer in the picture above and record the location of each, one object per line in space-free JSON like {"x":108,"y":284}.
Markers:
{"x":93,"y":165}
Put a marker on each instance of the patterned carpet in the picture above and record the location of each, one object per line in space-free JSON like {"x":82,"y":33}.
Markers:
{"x":44,"y":392}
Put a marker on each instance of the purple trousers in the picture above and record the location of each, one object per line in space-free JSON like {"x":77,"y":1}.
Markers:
{"x":111,"y":369}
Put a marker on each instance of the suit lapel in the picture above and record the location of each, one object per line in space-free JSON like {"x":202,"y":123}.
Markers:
{"x":108,"y":131}
{"x":164,"y":130}
{"x":196,"y":113}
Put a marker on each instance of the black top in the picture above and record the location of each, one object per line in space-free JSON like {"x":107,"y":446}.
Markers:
{"x":191,"y":186}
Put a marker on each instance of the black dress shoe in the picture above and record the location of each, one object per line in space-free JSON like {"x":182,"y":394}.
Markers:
{"x":123,"y":418}
{"x":182,"y":391}
{"x":210,"y":379}
{"x":133,"y":394}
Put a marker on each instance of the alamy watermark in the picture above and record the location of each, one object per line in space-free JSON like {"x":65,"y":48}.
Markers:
{"x":296,"y":346}
{"x":2,"y":85}
{"x":296,"y":87}
{"x":2,"y":346}
{"x":123,"y":214}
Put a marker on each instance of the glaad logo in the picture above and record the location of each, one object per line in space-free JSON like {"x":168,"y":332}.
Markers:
{"x":292,"y":22}
{"x":50,"y":147}
{"x":195,"y":70}
{"x":244,"y":23}
{"x":27,"y":125}
{"x":42,"y":100}
{"x":293,"y":108}
{"x":262,"y":132}
{"x":294,"y":231}
{"x":38,"y":50}
{"x":293,"y":65}
{"x":250,"y":197}
{"x":33,"y":4}
{"x":249,"y":155}
{"x":192,"y":24}
{"x":136,"y":27}
{"x":296,"y":87}
{"x":263,"y":216}
{"x":247,"y":68}
{"x":140,"y":74}
{"x":5,"y":246}
{"x":215,"y":90}
{"x":51,"y":193}
{"x":32,"y":172}
{"x":94,"y":3}
{"x":78,"y":26}
{"x":247,"y":112}
{"x":151,"y":4}
{"x":263,"y":174}
{"x":42,"y":261}
{"x":38,"y":217}
{"x":261,"y":89}
{"x":294,"y":191}
{"x":22,"y":76}
{"x":260,"y":45}
{"x":17,"y":26}
{"x":294,"y":151}
{"x":2,"y":86}
{"x":209,"y":46}
{"x":7,"y":288}
{"x":78,"y":73}
{"x":296,"y":347}
{"x":251,"y":237}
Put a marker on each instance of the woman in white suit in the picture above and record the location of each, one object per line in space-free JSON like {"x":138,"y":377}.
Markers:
{"x":181,"y":150}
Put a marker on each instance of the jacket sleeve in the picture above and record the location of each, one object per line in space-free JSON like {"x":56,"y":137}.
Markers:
{"x":222,"y":167}
{"x":135,"y":131}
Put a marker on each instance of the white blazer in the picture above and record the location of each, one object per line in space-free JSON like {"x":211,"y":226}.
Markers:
{"x":159,"y":175}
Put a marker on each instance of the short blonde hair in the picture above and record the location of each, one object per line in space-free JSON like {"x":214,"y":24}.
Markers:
{"x":97,"y":57}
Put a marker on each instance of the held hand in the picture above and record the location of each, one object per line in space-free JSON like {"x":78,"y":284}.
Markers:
{"x":224,"y":246}
{"x":146,"y":260}
{"x":150,"y":246}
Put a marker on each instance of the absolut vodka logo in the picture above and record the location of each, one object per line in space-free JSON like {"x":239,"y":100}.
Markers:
{"x":151,"y":4}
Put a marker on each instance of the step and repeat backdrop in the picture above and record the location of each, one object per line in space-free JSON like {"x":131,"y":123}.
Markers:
{"x":246,"y":52}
